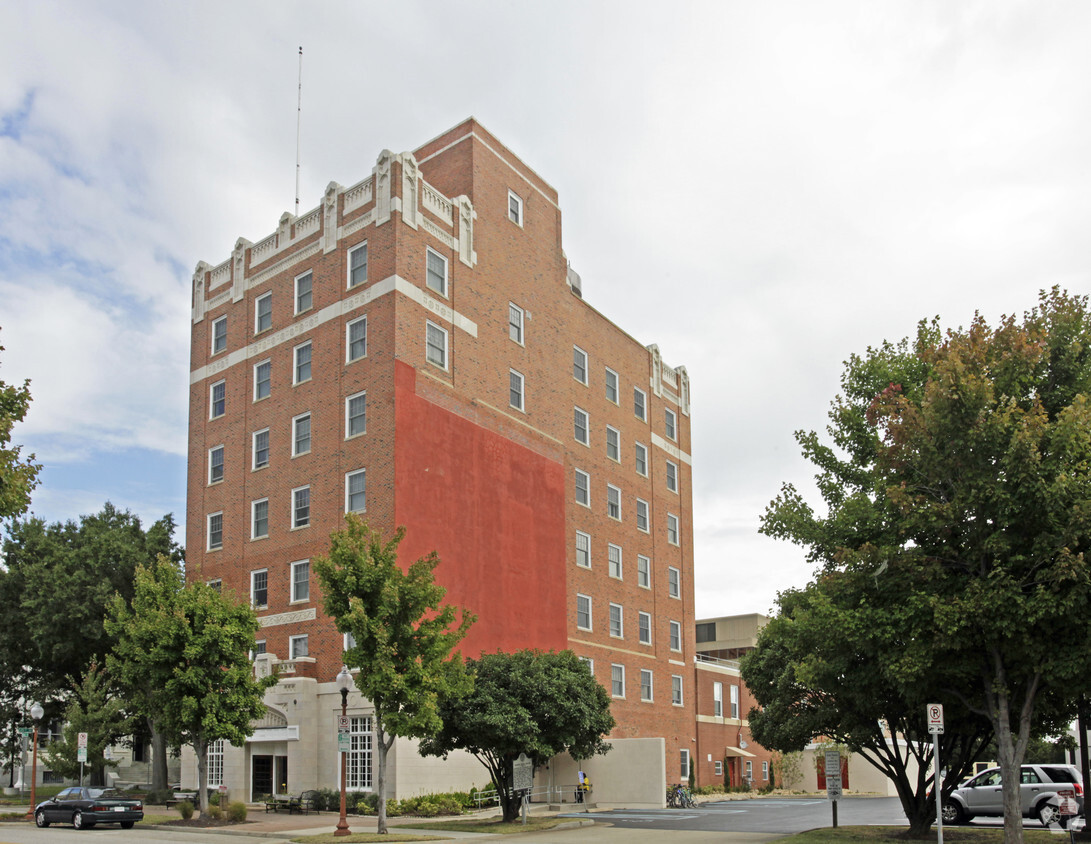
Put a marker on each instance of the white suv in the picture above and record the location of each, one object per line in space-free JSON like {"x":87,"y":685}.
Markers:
{"x":1039,"y":787}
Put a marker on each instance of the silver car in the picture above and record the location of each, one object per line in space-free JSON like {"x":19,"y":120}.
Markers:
{"x":1038,"y":794}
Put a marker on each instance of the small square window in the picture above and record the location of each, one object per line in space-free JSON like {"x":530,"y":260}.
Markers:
{"x":357,"y":265}
{"x":646,"y":685}
{"x":219,"y":335}
{"x":356,"y":339}
{"x":437,"y":273}
{"x":617,"y":680}
{"x":356,"y":415}
{"x":259,"y":588}
{"x":580,"y":423}
{"x":641,"y":451}
{"x":301,"y":434}
{"x":672,"y":476}
{"x":260,"y":448}
{"x":617,"y":621}
{"x":644,"y":628}
{"x":640,"y":404}
{"x":297,"y":647}
{"x":515,"y":389}
{"x":676,"y":699}
{"x":263,"y":313}
{"x":259,"y":519}
{"x":672,"y":529}
{"x":674,"y":582}
{"x":583,"y":488}
{"x":301,"y":581}
{"x":718,"y":768}
{"x":216,"y":585}
{"x":613,"y":443}
{"x":215,"y":531}
{"x":301,"y":507}
{"x":515,"y":209}
{"x":611,"y":385}
{"x":642,"y":515}
{"x":643,"y":571}
{"x":676,"y":636}
{"x":583,"y":549}
{"x":302,"y":363}
{"x":583,"y":612}
{"x":614,"y":555}
{"x":263,"y":380}
{"x":515,"y":323}
{"x":436,"y":340}
{"x":304,"y":296}
{"x":217,"y":400}
{"x":579,"y":364}
{"x":355,"y":491}
{"x":613,"y":502}
{"x":216,"y":464}
{"x":670,"y":424}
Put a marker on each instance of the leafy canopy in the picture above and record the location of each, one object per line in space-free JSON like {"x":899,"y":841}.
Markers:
{"x":18,"y":475}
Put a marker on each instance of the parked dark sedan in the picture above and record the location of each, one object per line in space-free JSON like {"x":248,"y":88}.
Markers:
{"x":86,"y":807}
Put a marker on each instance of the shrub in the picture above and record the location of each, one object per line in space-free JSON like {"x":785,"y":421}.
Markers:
{"x":393,"y":808}
{"x":215,"y":812}
{"x":367,"y":804}
{"x":328,"y":800}
{"x":451,"y":804}
{"x":185,"y":809}
{"x":158,"y":797}
{"x":236,"y":811}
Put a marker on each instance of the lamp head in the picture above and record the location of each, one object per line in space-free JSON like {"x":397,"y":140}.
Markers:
{"x":344,"y":680}
{"x":36,"y":712}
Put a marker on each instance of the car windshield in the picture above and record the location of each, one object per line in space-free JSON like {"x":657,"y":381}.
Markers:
{"x":96,"y":793}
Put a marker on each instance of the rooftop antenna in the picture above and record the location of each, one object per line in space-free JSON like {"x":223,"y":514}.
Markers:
{"x":298,"y":119}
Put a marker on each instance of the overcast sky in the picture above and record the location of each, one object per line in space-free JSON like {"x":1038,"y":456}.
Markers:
{"x":759,"y":188}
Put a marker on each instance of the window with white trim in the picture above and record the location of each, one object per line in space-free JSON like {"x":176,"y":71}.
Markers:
{"x":263,"y":379}
{"x":355,"y":414}
{"x":583,"y":488}
{"x":718,"y":700}
{"x":304,"y":292}
{"x":676,"y":636}
{"x":297,"y":646}
{"x":214,"y":761}
{"x":515,"y":323}
{"x":734,"y":701}
{"x":358,"y":761}
{"x":301,"y":581}
{"x":617,"y":621}
{"x":684,"y":755}
{"x":641,"y":452}
{"x":611,"y":385}
{"x":260,"y":449}
{"x":515,"y":208}
{"x":643,"y":571}
{"x":613,"y":443}
{"x":436,"y":276}
{"x":215,"y":464}
{"x":642,"y":515}
{"x":640,"y":404}
{"x":644,"y":628}
{"x":645,"y":685}
{"x":357,"y":265}
{"x":259,"y":647}
{"x":718,"y":767}
{"x":670,"y":424}
{"x":301,"y":434}
{"x":583,"y":549}
{"x":765,"y":769}
{"x":583,"y":612}
{"x":259,"y":588}
{"x":515,"y":389}
{"x":348,"y":642}
{"x":217,"y":400}
{"x":356,"y":491}
{"x":301,"y":507}
{"x":617,"y":680}
{"x":749,"y":770}
{"x":676,"y":699}
{"x":674,"y":582}
{"x":672,"y":529}
{"x":590,"y":664}
{"x":436,"y":343}
{"x":356,"y":339}
{"x":259,"y":518}
{"x":215,"y":531}
{"x":302,"y":368}
{"x":613,"y":502}
{"x":219,"y":335}
{"x":672,"y":476}
{"x":263,"y":313}
{"x":579,"y":364}
{"x":580,"y":423}
{"x":614,"y":556}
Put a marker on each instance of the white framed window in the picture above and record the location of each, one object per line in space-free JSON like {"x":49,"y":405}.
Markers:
{"x":436,"y":275}
{"x":301,"y":507}
{"x":672,"y":529}
{"x":357,"y":265}
{"x":297,"y":646}
{"x":718,"y":767}
{"x":613,"y":502}
{"x":676,"y":635}
{"x":640,"y":404}
{"x":358,"y":761}
{"x":734,"y":701}
{"x":641,"y":452}
{"x":643,"y":571}
{"x":259,"y":588}
{"x":617,"y":680}
{"x":215,"y":464}
{"x":611,"y":385}
{"x":718,"y":700}
{"x":580,"y":424}
{"x":765,"y":769}
{"x":644,"y":628}
{"x":590,"y":664}
{"x":356,"y":414}
{"x":304,"y":292}
{"x":583,"y":549}
{"x":579,"y":364}
{"x":349,"y":642}
{"x":436,"y":343}
{"x":749,"y":770}
{"x":642,"y":515}
{"x":583,"y":488}
{"x":302,"y":367}
{"x":674,"y":582}
{"x":301,"y":434}
{"x":216,"y":585}
{"x":646,"y":685}
{"x":617,"y":621}
{"x":515,"y":389}
{"x":263,"y":379}
{"x":301,"y":581}
{"x":215,"y":531}
{"x":259,"y":448}
{"x":614,"y":556}
{"x":613,"y":443}
{"x":219,"y":335}
{"x":259,"y":647}
{"x":356,"y":491}
{"x":515,"y":208}
{"x":214,"y":760}
{"x":583,"y":612}
{"x":670,"y":424}
{"x":515,"y":323}
{"x":263,"y":313}
{"x":259,"y":518}
{"x":217,"y":400}
{"x":356,"y":339}
{"x":676,"y":699}
{"x":672,"y":476}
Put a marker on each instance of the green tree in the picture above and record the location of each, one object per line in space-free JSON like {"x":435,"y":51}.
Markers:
{"x":18,"y":476}
{"x":532,"y":702}
{"x":973,"y":481}
{"x":182,"y":655}
{"x":403,"y":635}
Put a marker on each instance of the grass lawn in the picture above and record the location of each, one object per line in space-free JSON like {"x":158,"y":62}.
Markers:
{"x":959,"y":835}
{"x":495,"y":826}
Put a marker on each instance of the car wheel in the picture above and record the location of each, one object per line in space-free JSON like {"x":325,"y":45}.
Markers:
{"x":953,"y":814}
{"x":127,"y":824}
{"x":39,"y":819}
{"x":1048,"y":814}
{"x":78,"y":822}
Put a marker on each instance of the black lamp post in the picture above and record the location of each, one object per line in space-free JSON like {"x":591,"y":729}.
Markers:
{"x":344,"y":683}
{"x":36,"y":712}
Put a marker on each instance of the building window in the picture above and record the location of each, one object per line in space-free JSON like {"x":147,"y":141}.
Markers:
{"x":642,"y":515}
{"x":583,"y":549}
{"x":515,"y":209}
{"x":706,"y":631}
{"x":515,"y":323}
{"x":303,"y":292}
{"x":356,"y":339}
{"x":302,"y":363}
{"x":216,"y":585}
{"x":301,"y":507}
{"x":301,"y":434}
{"x":263,"y":380}
{"x":765,"y":770}
{"x":676,"y":699}
{"x":676,"y":636}
{"x":579,"y":364}
{"x":515,"y":389}
{"x":358,"y":265}
{"x":613,"y":443}
{"x":672,"y":529}
{"x":646,"y":685}
{"x":640,"y":404}
{"x":674,"y":582}
{"x":436,"y":341}
{"x":349,"y":642}
{"x":718,"y":767}
{"x":734,"y":701}
{"x":613,"y":502}
{"x":643,"y":571}
{"x":611,"y":385}
{"x":749,"y":770}
{"x":216,"y":464}
{"x":590,"y":664}
{"x":583,"y":488}
{"x":259,"y":588}
{"x":672,"y":476}
{"x":219,"y":335}
{"x":358,"y":759}
{"x":215,"y":763}
{"x":217,"y":400}
{"x":718,"y":700}
{"x":644,"y":628}
{"x":617,"y":680}
{"x":259,"y":519}
{"x":617,"y":622}
{"x":614,"y":554}
{"x":263,"y":313}
{"x":583,"y":612}
{"x":355,"y":415}
{"x":437,"y":273}
{"x":260,"y":448}
{"x":215,"y":531}
{"x":641,"y":459}
{"x":670,"y":424}
{"x":355,"y":489}
{"x":301,"y":581}
{"x":297,"y":646}
{"x":580,"y":423}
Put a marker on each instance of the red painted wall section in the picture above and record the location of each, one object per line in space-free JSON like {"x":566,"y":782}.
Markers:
{"x":494,"y":512}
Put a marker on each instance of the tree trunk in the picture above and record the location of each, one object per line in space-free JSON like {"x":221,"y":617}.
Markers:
{"x":383,"y":744}
{"x":1009,"y":761}
{"x":159,"y":758}
{"x":200,"y":747}
{"x":509,"y":800}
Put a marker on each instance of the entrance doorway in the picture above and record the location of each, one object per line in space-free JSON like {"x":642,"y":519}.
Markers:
{"x":270,"y":776}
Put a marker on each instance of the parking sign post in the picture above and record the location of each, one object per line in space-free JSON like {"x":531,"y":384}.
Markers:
{"x":833,"y":780}
{"x":934,"y":713}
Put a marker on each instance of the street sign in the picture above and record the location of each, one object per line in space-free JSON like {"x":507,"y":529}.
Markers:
{"x":24,"y":731}
{"x":934,"y":712}
{"x":344,"y":742}
{"x":833,"y":774}
{"x":342,"y":724}
{"x":1068,"y":804}
{"x":81,"y":754}
{"x":81,"y":740}
{"x":522,"y":773}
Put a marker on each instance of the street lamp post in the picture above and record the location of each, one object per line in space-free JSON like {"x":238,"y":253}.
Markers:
{"x":344,"y":683}
{"x":36,"y":712}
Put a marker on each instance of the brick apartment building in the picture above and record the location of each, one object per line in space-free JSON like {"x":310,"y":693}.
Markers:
{"x":417,"y":350}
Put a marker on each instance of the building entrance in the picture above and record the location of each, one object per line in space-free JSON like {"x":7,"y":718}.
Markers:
{"x":270,"y":776}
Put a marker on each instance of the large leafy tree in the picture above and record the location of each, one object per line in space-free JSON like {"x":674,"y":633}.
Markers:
{"x":18,"y":475}
{"x":182,"y":655}
{"x":972,"y":480}
{"x":532,"y":702}
{"x":403,"y":635}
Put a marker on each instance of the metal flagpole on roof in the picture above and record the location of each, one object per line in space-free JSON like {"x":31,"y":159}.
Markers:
{"x":298,"y":120}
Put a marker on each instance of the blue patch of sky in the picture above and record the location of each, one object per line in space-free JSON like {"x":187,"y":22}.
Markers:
{"x":12,"y":123}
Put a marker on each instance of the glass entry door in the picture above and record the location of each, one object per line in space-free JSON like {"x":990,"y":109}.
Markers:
{"x":262,"y":778}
